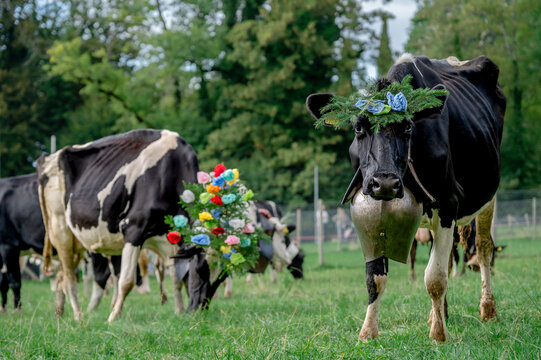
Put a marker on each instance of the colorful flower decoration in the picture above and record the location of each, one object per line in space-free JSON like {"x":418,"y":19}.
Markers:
{"x":187,"y":196}
{"x":201,"y":239}
{"x":232,"y":240}
{"x":205,"y":216}
{"x":397,"y":102}
{"x":229,"y":198}
{"x":219,"y":219}
{"x":180,"y":220}
{"x":219,"y":169}
{"x":203,"y":177}
{"x":216,"y":200}
{"x":174,"y":237}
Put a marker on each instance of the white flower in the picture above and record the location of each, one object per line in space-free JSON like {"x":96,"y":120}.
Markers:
{"x":236,"y":223}
{"x":187,"y":196}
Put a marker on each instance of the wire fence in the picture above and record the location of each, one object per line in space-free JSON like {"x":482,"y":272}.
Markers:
{"x":517,"y":215}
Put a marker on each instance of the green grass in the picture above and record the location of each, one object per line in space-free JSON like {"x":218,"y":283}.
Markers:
{"x":318,"y":318}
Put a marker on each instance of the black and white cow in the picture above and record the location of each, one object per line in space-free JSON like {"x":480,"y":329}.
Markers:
{"x":448,"y":157}
{"x":110,"y":196}
{"x":21,"y":228}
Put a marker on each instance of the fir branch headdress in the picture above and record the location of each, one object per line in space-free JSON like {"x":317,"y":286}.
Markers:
{"x":403,"y":105}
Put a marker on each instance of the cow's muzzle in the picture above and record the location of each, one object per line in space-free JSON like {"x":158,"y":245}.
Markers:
{"x":384,"y":186}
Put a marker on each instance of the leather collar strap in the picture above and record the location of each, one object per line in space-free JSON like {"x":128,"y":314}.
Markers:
{"x":412,"y":170}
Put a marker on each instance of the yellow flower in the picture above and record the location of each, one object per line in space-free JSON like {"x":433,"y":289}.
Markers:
{"x":211,"y":189}
{"x":236,"y":173}
{"x":225,"y":249}
{"x":205,"y":216}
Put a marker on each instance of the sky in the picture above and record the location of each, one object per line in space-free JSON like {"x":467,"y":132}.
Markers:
{"x":403,"y":10}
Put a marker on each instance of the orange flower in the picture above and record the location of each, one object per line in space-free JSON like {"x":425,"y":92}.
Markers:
{"x":211,"y":189}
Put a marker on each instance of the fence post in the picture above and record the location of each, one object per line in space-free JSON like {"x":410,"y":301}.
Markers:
{"x":299,"y":227}
{"x":534,"y":217}
{"x":339,"y":228}
{"x":320,"y":233}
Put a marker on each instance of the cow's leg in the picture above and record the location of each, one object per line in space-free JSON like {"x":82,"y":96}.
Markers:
{"x":249,"y":278}
{"x":88,"y":274}
{"x":100,"y":266}
{"x":130,"y":254}
{"x":4,"y":285}
{"x":413,"y":254}
{"x":14,"y":276}
{"x":144,"y":288}
{"x":485,"y":251}
{"x":228,"y":293}
{"x":436,"y":278}
{"x":60,"y":298}
{"x":160,"y":276}
{"x":115,"y":267}
{"x":376,"y":280}
{"x":273,"y":275}
{"x":177,"y":291}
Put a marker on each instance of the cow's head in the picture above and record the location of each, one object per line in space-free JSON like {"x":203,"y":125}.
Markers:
{"x":380,"y":159}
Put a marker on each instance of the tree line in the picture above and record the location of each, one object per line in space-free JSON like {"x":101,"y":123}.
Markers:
{"x":231,"y":77}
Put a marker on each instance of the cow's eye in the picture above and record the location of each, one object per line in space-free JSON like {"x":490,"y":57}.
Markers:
{"x":408,"y":129}
{"x":359,"y":130}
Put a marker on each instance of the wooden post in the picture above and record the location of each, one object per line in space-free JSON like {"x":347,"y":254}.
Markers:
{"x":320,"y":233}
{"x":299,"y":227}
{"x":534,"y":217}
{"x":339,"y":228}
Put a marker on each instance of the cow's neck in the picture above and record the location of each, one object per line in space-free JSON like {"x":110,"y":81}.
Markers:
{"x":416,"y":178}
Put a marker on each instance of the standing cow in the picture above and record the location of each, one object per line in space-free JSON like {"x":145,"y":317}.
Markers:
{"x":110,"y":196}
{"x":21,"y":228}
{"x":448,"y":157}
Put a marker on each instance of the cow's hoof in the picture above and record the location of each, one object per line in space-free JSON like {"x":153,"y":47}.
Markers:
{"x":78,"y":316}
{"x":430,"y":316}
{"x":112,"y":317}
{"x":228,"y":295}
{"x":368,"y":332}
{"x":438,"y":331}
{"x":164,"y":299}
{"x":3,"y":310}
{"x":59,"y":312}
{"x":487,"y":308}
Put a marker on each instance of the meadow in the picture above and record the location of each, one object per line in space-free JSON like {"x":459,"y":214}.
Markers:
{"x":317,"y":318}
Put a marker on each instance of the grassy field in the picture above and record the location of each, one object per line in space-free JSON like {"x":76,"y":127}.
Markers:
{"x":318,"y":318}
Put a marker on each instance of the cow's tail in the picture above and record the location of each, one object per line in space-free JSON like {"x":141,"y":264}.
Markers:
{"x":47,"y":245}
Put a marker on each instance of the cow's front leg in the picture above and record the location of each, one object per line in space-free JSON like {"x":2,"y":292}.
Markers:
{"x":376,"y":280}
{"x":177,"y":291}
{"x":4,"y":285}
{"x":160,"y":276}
{"x":130,"y":254}
{"x":228,"y":292}
{"x":436,"y":277}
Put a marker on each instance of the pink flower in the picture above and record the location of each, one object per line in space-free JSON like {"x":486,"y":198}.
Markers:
{"x":248,"y":229}
{"x":203,"y":177}
{"x":232,"y":240}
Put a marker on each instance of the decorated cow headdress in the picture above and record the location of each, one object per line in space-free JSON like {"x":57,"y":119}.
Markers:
{"x":393,"y":104}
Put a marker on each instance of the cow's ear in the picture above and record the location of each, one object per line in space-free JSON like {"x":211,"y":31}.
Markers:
{"x":315,"y":102}
{"x":436,"y":110}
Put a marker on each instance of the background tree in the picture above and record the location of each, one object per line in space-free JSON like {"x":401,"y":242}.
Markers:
{"x":384,"y":59}
{"x":507,"y":32}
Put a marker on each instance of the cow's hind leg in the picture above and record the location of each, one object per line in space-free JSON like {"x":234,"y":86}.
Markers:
{"x":413,"y":254}
{"x":436,"y":278}
{"x":100,"y":268}
{"x":160,"y":276}
{"x":4,"y":285}
{"x":130,"y":254}
{"x":485,"y":252}
{"x":376,"y":280}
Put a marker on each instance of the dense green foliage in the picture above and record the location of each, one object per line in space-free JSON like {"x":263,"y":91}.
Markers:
{"x":509,"y":32}
{"x":231,"y":77}
{"x":317,"y":318}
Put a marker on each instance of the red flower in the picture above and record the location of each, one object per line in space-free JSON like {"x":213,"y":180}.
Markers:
{"x":174,"y":237}
{"x":217,"y":200}
{"x":218,"y":230}
{"x":219,"y":169}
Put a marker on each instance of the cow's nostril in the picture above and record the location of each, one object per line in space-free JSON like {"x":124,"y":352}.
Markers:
{"x":396,"y":185}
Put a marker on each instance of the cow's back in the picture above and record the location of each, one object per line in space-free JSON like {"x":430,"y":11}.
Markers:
{"x":21,"y":224}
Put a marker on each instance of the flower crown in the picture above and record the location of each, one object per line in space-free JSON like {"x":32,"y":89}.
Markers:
{"x":217,"y":207}
{"x":407,"y":101}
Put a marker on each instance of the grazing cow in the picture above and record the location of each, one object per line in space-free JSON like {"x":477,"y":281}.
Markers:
{"x":21,"y":228}
{"x":110,"y":196}
{"x":467,"y":235}
{"x":447,"y":160}
{"x":280,"y":252}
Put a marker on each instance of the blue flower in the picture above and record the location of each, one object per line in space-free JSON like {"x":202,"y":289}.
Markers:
{"x":201,"y":239}
{"x":373,"y":106}
{"x":180,"y":220}
{"x":229,"y":198}
{"x":216,"y":213}
{"x":219,"y":181}
{"x":228,"y":255}
{"x":397,"y":102}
